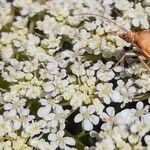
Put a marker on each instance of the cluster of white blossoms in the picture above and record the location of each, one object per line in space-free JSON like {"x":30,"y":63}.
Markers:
{"x":58,"y":87}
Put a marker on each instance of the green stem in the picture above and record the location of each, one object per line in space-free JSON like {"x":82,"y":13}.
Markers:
{"x":29,"y":104}
{"x":4,"y":90}
{"x":83,"y":133}
{"x":12,"y":13}
{"x":31,"y":26}
{"x":71,"y":112}
{"x":65,"y":104}
{"x":142,"y":97}
{"x":79,"y":144}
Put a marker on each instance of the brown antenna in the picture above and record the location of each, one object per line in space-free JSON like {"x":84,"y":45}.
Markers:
{"x":91,"y":14}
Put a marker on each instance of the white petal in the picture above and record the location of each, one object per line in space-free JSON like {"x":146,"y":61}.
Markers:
{"x":110,"y":111}
{"x":8,"y":106}
{"x":104,"y":116}
{"x":132,"y":89}
{"x":49,"y":87}
{"x":52,"y":137}
{"x":109,"y":64}
{"x":78,"y":118}
{"x":124,"y":117}
{"x":17,"y":124}
{"x":25,"y":112}
{"x":87,"y":125}
{"x":42,"y":111}
{"x":1,"y":119}
{"x":54,"y":145}
{"x":54,"y":123}
{"x":116,"y":97}
{"x":107,"y":99}
{"x":49,"y":116}
{"x":139,"y":105}
{"x":69,"y":141}
{"x":42,"y":123}
{"x":43,"y":101}
{"x":146,"y":119}
{"x":98,"y":86}
{"x":105,"y":126}
{"x":83,"y":109}
{"x":147,"y":139}
{"x":12,"y":113}
{"x":118,"y":69}
{"x":60,"y":133}
{"x":62,"y":145}
{"x":105,"y":76}
{"x":120,"y":83}
{"x":91,"y":109}
{"x":136,"y":22}
{"x":94,"y":119}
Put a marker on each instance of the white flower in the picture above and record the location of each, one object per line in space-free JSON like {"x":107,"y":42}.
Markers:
{"x":87,"y":117}
{"x":78,"y":69}
{"x":20,"y":143}
{"x":51,"y":42}
{"x":140,"y":110}
{"x":137,"y":14}
{"x":108,"y":117}
{"x":99,"y":107}
{"x":146,"y":119}
{"x":40,"y":143}
{"x":48,"y":25}
{"x":139,"y":128}
{"x":126,"y":116}
{"x":48,"y":87}
{"x":55,"y":118}
{"x":105,"y":144}
{"x":23,"y":119}
{"x":1,"y":65}
{"x":5,"y":126}
{"x":33,"y":129}
{"x":144,"y":83}
{"x":133,"y":139}
{"x":43,"y":111}
{"x":73,"y":20}
{"x":116,"y":97}
{"x":125,"y":92}
{"x":54,"y":61}
{"x":30,"y":66}
{"x":14,"y":107}
{"x":6,"y":145}
{"x":5,"y":12}
{"x":49,"y":101}
{"x":58,"y":140}
{"x":56,"y":87}
{"x":123,"y":5}
{"x":147,"y":140}
{"x":90,"y":26}
{"x":7,"y":52}
{"x":28,"y":7}
{"x":94,"y":44}
{"x":105,"y":73}
{"x":104,"y":91}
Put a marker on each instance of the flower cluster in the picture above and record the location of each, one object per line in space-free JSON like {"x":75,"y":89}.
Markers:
{"x":58,"y":85}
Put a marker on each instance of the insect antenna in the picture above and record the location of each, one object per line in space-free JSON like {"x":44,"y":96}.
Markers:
{"x":91,"y":14}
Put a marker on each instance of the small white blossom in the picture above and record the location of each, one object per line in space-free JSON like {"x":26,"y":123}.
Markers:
{"x":58,"y":140}
{"x":87,"y":117}
{"x":104,"y":91}
{"x":78,"y":69}
{"x":105,"y":73}
{"x":108,"y":117}
{"x":5,"y":126}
